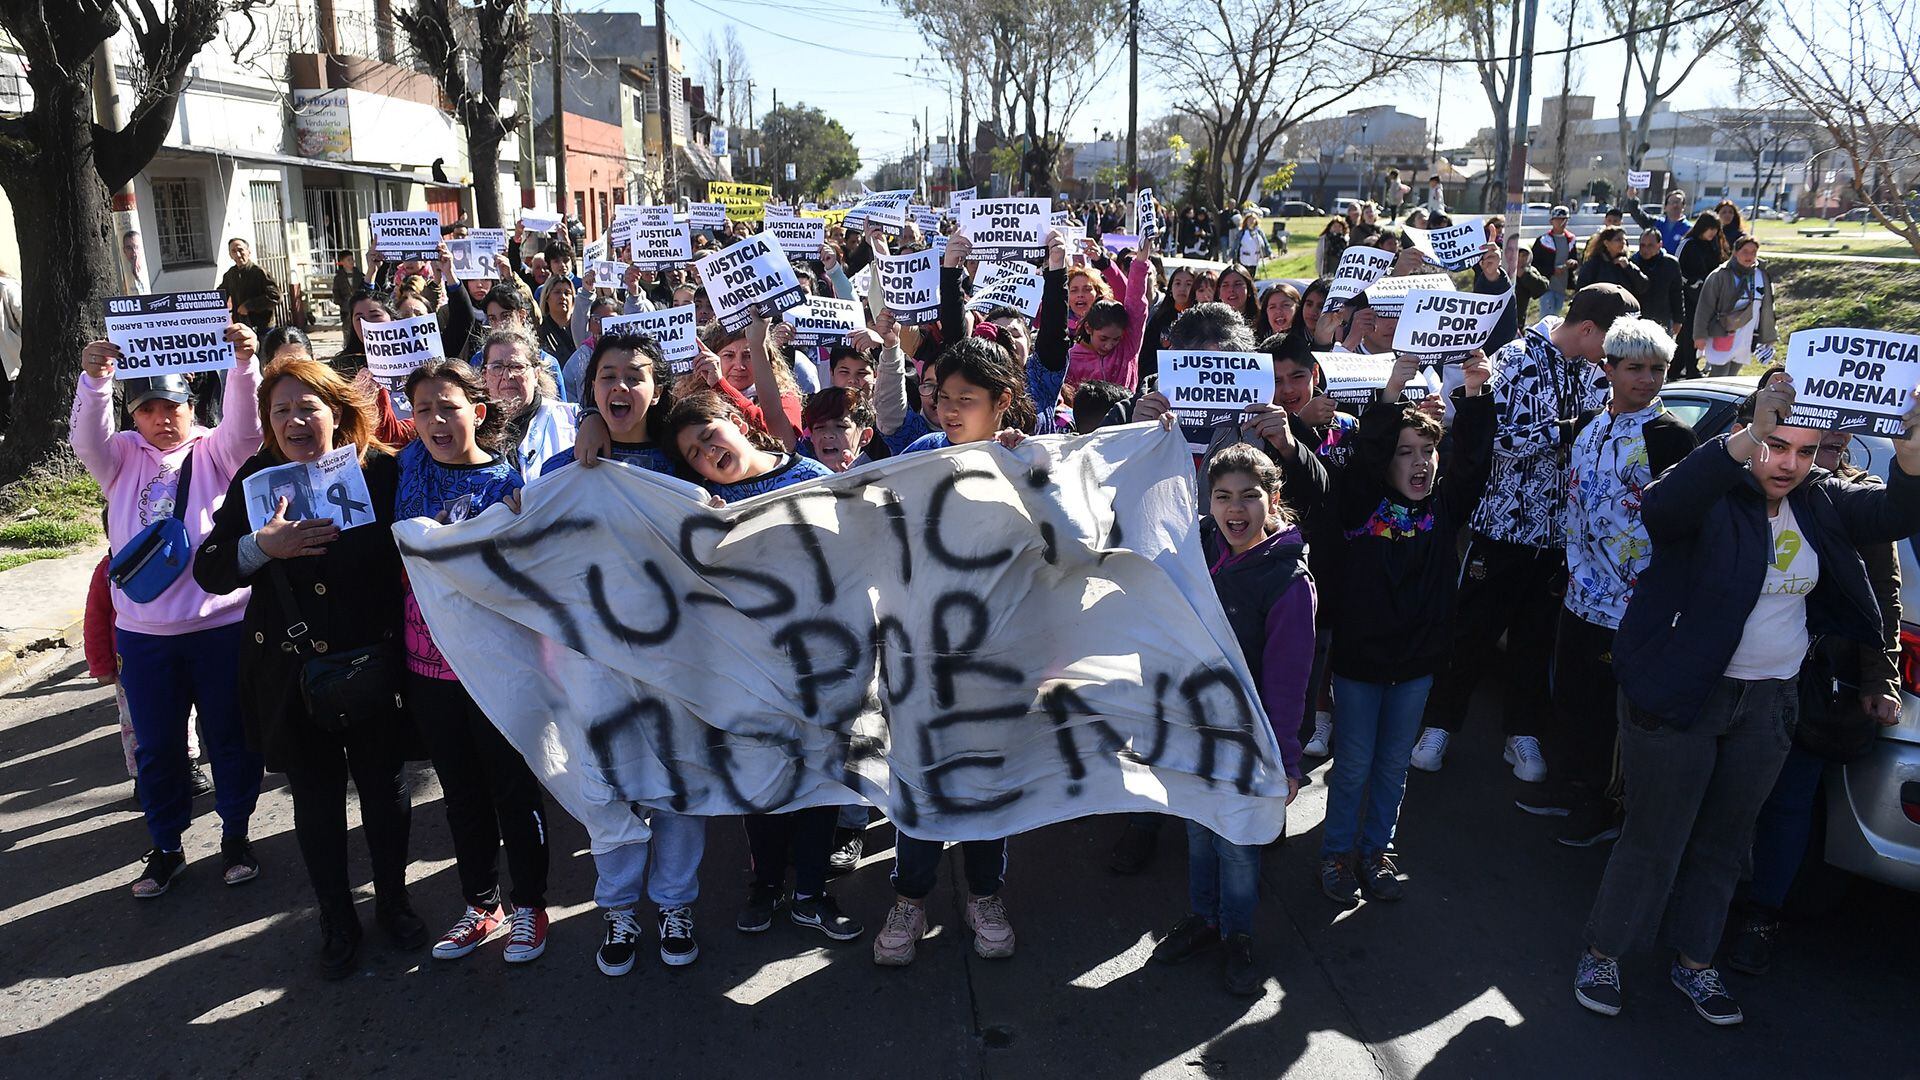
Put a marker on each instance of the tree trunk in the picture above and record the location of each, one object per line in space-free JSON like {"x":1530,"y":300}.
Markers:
{"x":69,"y":266}
{"x":483,"y":157}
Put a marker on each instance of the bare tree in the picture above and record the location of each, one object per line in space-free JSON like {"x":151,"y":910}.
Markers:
{"x":451,"y":41}
{"x":1766,"y":137}
{"x":58,"y":167}
{"x":1855,"y":68}
{"x":1490,"y":29}
{"x":1250,"y":70}
{"x":1659,"y":34}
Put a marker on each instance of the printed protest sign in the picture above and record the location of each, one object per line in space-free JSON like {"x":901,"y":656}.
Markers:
{"x":1455,"y":247}
{"x":1386,"y":295}
{"x":1147,"y":214}
{"x":330,"y":487}
{"x":594,"y":250}
{"x":925,"y":218}
{"x":539,"y":221}
{"x":1445,"y":325}
{"x":1352,"y":378}
{"x":800,"y":238}
{"x":1639,"y":179}
{"x":406,"y":234}
{"x":1061,"y":217}
{"x":910,"y":285}
{"x":964,"y":194}
{"x":824,"y":321}
{"x":471,"y":261}
{"x":707,"y":215}
{"x":780,"y":211}
{"x":169,"y":333}
{"x":749,"y":277}
{"x":1853,"y":380}
{"x":1113,"y":687}
{"x":676,"y":329}
{"x":607,"y":273}
{"x":1012,"y":286}
{"x":744,"y":202}
{"x":398,"y":346}
{"x":1117,"y":242}
{"x":1005,"y":230}
{"x":1208,"y":388}
{"x":1359,"y":267}
{"x":887,"y":208}
{"x":661,"y":247}
{"x":492,"y":241}
{"x":863,"y":282}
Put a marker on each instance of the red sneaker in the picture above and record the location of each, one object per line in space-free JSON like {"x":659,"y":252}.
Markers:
{"x":473,"y":928}
{"x":528,"y":937}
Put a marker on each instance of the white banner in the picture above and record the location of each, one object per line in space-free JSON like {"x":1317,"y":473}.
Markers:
{"x":1352,"y":378}
{"x":1006,"y":656}
{"x":800,"y":238}
{"x":824,"y":321}
{"x":1388,"y":293}
{"x":749,"y":277}
{"x":1853,"y":380}
{"x":1359,"y":267}
{"x":1011,"y":286}
{"x":1208,"y":388}
{"x":1445,"y":325}
{"x":910,"y":285}
{"x":1455,"y":247}
{"x":406,"y":234}
{"x":396,"y":347}
{"x":676,"y":329}
{"x":1005,"y":230}
{"x":169,"y":333}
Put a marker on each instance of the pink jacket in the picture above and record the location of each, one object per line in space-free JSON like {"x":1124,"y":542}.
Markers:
{"x":139,"y":481}
{"x":1122,"y":365}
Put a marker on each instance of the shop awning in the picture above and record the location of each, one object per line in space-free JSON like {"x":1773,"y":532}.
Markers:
{"x":263,"y":158}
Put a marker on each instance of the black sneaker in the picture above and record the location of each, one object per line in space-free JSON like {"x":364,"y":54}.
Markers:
{"x":1134,"y":850}
{"x":1595,"y":822}
{"x":1544,"y":800}
{"x":1243,"y":978}
{"x":1379,"y":878}
{"x":762,"y":900}
{"x":1596,"y":984}
{"x":157,"y":878}
{"x":823,"y":914}
{"x":1752,"y":950}
{"x":617,"y":947}
{"x":677,"y":946}
{"x":1338,"y":882}
{"x":404,"y":929}
{"x":1189,"y":937}
{"x":339,"y":944}
{"x":1708,"y":994}
{"x":237,"y":854}
{"x":846,"y":853}
{"x":202,"y":783}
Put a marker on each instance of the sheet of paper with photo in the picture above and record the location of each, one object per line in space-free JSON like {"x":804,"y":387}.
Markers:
{"x":331,"y":487}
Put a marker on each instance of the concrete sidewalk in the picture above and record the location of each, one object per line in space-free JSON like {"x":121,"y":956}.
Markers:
{"x":42,"y":605}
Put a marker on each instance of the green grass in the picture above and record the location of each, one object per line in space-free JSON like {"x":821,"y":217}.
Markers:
{"x":47,"y":513}
{"x":1863,"y":296}
{"x":1777,"y":238}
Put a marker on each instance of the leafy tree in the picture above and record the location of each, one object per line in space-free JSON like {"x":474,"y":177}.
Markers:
{"x":820,"y":150}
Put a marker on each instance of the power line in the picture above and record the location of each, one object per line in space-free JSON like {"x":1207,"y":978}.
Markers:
{"x":798,"y":41}
{"x":1638,"y":31}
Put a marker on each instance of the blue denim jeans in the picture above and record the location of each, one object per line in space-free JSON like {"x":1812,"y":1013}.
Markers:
{"x":1374,"y":728}
{"x":674,"y":852}
{"x":1781,"y":833}
{"x":1552,"y":303}
{"x":1223,"y":880}
{"x":165,"y":677}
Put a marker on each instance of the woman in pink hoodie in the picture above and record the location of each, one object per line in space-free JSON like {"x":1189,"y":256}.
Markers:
{"x":181,"y":650}
{"x":1107,"y":344}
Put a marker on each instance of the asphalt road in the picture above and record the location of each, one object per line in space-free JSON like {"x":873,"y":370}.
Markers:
{"x":1468,"y":976}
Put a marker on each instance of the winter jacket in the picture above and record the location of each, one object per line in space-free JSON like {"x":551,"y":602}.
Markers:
{"x":1122,"y":365}
{"x":139,"y":482}
{"x":1509,"y":324}
{"x":1727,"y":303}
{"x":1549,"y":260}
{"x":1664,"y":300}
{"x":1712,"y":543}
{"x":349,"y":597}
{"x":1600,"y":270}
{"x":1268,"y":596}
{"x":1399,"y":571}
{"x":1671,"y":229}
{"x":1615,"y":457}
{"x":1539,"y":394}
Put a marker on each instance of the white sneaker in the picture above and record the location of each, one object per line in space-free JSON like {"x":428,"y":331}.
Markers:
{"x":1523,"y":753}
{"x":1322,"y":741}
{"x":1430,"y":750}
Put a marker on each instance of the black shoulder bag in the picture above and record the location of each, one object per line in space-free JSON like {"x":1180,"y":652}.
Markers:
{"x":1832,"y":726}
{"x":340,"y":688}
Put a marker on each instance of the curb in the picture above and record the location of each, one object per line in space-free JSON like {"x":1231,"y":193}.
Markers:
{"x":19,"y":648}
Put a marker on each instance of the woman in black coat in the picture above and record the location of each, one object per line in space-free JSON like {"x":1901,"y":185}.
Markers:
{"x":344,"y":586}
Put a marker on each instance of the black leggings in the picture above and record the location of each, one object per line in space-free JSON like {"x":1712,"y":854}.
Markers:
{"x":802,"y":837}
{"x":490,"y":794}
{"x":319,"y":787}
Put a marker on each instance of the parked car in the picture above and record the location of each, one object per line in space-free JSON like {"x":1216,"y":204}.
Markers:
{"x":1873,"y":804}
{"x":1759,"y":212}
{"x":1300,"y":209}
{"x":1340,"y":205}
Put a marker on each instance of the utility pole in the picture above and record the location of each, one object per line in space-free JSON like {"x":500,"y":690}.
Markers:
{"x":1133,"y":97}
{"x":774,"y":168}
{"x":525,"y":138}
{"x":111,"y":113}
{"x":926,"y":153}
{"x":1517,"y":163}
{"x":561,"y":190}
{"x":663,"y":87}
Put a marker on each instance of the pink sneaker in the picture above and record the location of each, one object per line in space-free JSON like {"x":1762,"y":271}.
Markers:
{"x":894,"y":945}
{"x":992,"y":933}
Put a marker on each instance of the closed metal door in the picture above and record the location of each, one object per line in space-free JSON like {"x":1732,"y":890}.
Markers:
{"x":270,"y":237}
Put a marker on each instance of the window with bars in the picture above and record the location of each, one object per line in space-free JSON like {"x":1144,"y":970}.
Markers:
{"x":180,"y":221}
